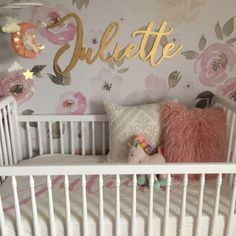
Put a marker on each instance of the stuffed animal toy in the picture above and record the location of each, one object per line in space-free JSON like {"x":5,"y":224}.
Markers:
{"x":138,"y":153}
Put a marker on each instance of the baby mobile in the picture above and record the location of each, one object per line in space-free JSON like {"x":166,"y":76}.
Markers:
{"x":23,"y":40}
{"x":17,"y":81}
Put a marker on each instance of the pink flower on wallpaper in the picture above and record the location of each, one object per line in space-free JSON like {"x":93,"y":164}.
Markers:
{"x":228,"y":89}
{"x":61,"y":34}
{"x":107,"y":86}
{"x":72,"y":102}
{"x":136,"y":98}
{"x":14,"y":83}
{"x":214,"y":63}
{"x":156,"y":88}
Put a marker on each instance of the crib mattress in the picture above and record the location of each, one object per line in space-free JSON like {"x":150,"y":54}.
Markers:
{"x":109,"y":204}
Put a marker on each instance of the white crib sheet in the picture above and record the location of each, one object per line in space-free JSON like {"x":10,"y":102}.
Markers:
{"x":109,"y":204}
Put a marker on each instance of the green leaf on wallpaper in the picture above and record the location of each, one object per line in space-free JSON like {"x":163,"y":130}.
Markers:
{"x":67,"y":79}
{"x":231,"y":41}
{"x":60,"y":79}
{"x":123,"y":70}
{"x":56,"y":130}
{"x":111,"y":65}
{"x":119,"y":63}
{"x":190,"y":54}
{"x":228,"y":27}
{"x":28,"y":112}
{"x":80,"y":3}
{"x":37,"y":69}
{"x":174,"y":78}
{"x":163,"y":41}
{"x":202,"y":43}
{"x":38,"y":75}
{"x":218,"y":31}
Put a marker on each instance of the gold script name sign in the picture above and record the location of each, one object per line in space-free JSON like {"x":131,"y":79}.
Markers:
{"x":131,"y":51}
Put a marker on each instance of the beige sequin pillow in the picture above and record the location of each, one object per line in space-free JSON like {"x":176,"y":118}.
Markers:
{"x":127,"y":121}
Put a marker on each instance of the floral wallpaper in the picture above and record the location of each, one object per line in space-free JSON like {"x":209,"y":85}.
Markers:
{"x":207,"y":62}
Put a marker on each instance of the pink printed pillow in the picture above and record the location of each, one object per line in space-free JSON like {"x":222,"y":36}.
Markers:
{"x":195,"y":135}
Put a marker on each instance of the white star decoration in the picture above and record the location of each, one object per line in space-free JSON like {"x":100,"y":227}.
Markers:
{"x":28,"y":74}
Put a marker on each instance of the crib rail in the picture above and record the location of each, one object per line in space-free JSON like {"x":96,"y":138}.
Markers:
{"x":63,"y":134}
{"x":10,"y":149}
{"x":118,"y":170}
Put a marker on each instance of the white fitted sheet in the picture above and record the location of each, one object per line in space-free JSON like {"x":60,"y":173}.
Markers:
{"x":109,"y":203}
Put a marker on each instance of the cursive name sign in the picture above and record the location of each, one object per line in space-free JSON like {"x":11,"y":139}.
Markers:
{"x":130,"y":51}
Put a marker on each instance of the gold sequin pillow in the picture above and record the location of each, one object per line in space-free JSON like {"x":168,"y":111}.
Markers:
{"x":127,"y":121}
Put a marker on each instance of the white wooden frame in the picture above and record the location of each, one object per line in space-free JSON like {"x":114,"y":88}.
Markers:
{"x":11,"y":153}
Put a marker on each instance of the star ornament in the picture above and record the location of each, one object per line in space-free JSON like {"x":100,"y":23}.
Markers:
{"x":28,"y":74}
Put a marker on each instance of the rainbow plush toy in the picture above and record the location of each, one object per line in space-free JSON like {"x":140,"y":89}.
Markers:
{"x":140,"y":151}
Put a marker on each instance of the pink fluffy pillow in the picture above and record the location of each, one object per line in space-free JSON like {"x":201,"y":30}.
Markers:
{"x":195,"y":135}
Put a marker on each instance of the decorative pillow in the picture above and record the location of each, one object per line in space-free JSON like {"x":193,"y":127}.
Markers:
{"x":127,"y":121}
{"x":195,"y":135}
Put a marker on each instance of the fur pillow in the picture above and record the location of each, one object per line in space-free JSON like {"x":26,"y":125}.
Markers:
{"x":195,"y":135}
{"x":127,"y":121}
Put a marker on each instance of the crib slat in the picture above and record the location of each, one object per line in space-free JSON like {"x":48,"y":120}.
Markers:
{"x":50,"y":137}
{"x":34,"y":206}
{"x":68,"y":211}
{"x":1,"y":160}
{"x":17,"y":207}
{"x":183,"y":205}
{"x":40,"y":138}
{"x":12,"y":136}
{"x":82,"y":138}
{"x":101,"y":206}
{"x":134,"y":206}
{"x":230,"y":138}
{"x":233,"y":160}
{"x":2,"y":134}
{"x":2,"y":220}
{"x":93,"y":138}
{"x":50,"y":207}
{"x":117,"y":231}
{"x":216,"y":206}
{"x":85,"y":210}
{"x":200,"y":203}
{"x":72,"y":139}
{"x":231,"y":209}
{"x":150,"y":208}
{"x":61,"y":137}
{"x":8,"y":141}
{"x":103,"y":138}
{"x":29,"y":140}
{"x":167,"y":206}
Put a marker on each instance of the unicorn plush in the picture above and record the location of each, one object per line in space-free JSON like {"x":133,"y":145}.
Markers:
{"x":138,"y":154}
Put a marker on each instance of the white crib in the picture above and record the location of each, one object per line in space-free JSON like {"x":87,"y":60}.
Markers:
{"x":68,"y":190}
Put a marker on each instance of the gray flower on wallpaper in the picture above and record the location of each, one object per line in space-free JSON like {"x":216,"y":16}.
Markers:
{"x":116,"y":65}
{"x":177,"y":11}
{"x":80,"y":3}
{"x":214,"y":62}
{"x":107,"y":86}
